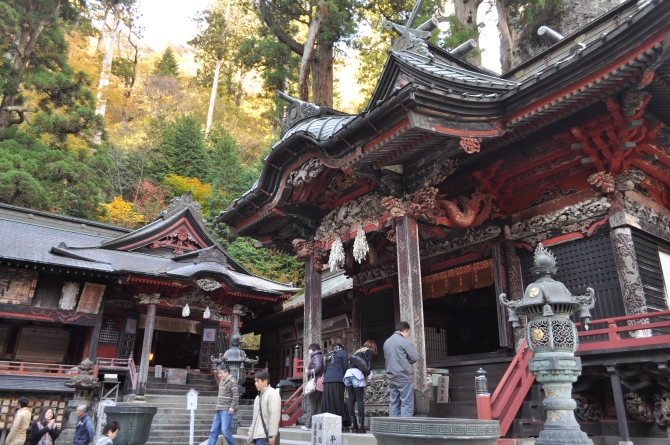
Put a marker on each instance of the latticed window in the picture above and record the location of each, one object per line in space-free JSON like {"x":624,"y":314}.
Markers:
{"x":110,"y":332}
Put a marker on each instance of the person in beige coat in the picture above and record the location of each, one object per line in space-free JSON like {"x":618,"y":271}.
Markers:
{"x":17,"y":435}
{"x":268,"y":401}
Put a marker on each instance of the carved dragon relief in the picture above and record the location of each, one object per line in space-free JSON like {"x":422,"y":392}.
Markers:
{"x":562,"y":217}
{"x":303,"y":249}
{"x":606,"y":183}
{"x":461,"y":212}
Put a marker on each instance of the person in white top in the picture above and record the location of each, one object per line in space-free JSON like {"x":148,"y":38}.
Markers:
{"x":360,"y":364}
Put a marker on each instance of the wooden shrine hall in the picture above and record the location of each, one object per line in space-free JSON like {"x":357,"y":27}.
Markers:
{"x":165,"y":294}
{"x":433,"y":199}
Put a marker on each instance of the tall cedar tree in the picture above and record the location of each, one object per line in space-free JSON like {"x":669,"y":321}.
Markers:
{"x":35,"y":62}
{"x":167,"y":66}
{"x":327,"y":22}
{"x":182,"y":151}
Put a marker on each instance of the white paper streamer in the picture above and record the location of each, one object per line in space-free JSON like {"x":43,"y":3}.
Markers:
{"x":336,"y":258}
{"x":361,"y":247}
{"x":186,"y":311}
{"x":207,"y":314}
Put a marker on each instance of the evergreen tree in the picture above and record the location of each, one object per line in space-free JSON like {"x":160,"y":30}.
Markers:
{"x":182,"y":151}
{"x":167,"y":66}
{"x":228,"y":177}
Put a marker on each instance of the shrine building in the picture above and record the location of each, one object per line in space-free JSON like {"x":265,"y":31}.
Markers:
{"x":433,"y":199}
{"x":165,"y":294}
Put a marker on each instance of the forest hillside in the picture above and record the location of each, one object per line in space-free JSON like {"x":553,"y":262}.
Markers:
{"x":96,"y":123}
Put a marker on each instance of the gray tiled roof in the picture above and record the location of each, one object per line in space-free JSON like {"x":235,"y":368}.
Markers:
{"x":319,"y":129}
{"x":32,"y":383}
{"x":143,"y":263}
{"x":457,"y":74}
{"x":30,"y":242}
{"x":331,"y":285}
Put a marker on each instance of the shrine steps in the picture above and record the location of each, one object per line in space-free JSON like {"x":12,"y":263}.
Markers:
{"x":462,"y":373}
{"x":204,"y":384}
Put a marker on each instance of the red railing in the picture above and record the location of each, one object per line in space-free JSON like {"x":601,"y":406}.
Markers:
{"x":509,"y":395}
{"x":292,"y":408}
{"x":45,"y":369}
{"x":614,"y":331}
{"x":121,"y":364}
{"x":298,"y":367}
{"x":515,"y":384}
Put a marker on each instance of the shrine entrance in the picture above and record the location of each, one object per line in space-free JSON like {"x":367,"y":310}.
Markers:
{"x":461,"y":324}
{"x":176,"y":349}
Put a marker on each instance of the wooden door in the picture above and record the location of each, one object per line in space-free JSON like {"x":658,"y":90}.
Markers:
{"x":208,"y":347}
{"x":129,"y":335}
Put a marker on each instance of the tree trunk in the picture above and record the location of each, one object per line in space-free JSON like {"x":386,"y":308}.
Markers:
{"x":506,"y":42}
{"x":466,"y":13}
{"x":212,"y":97}
{"x":101,"y":107}
{"x":308,"y":52}
{"x":24,"y":50}
{"x":103,"y":30}
{"x":322,"y":75}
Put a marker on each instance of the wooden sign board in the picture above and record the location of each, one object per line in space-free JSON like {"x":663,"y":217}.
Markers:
{"x":42,"y":345}
{"x":17,"y":286}
{"x":443,"y":389}
{"x":91,"y":297}
{"x":68,"y":296}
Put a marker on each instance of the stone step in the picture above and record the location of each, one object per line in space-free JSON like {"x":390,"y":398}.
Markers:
{"x":180,"y":392}
{"x":298,"y":436}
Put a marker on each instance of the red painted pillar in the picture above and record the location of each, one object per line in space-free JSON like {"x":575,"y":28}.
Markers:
{"x":411,"y":304}
{"x":312,"y":329}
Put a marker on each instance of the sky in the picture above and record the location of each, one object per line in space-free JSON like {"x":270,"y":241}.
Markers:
{"x":169,"y":21}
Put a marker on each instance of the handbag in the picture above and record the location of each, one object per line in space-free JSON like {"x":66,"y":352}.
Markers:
{"x":319,"y":384}
{"x":265,"y":428}
{"x":310,"y":386}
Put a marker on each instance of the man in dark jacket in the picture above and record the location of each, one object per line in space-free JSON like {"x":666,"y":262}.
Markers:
{"x":226,"y":404}
{"x":83,"y":434}
{"x":400,"y":354}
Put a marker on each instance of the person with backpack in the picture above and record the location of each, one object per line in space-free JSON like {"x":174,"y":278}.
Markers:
{"x":360,"y":367}
{"x":314,"y":370}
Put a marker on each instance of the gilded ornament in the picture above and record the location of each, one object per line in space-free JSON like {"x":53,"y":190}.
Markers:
{"x":534,"y":292}
{"x":537,"y":334}
{"x":553,"y":417}
{"x":552,"y":393}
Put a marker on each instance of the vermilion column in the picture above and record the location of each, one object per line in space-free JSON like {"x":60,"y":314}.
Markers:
{"x":411,"y":303}
{"x":312,"y":329}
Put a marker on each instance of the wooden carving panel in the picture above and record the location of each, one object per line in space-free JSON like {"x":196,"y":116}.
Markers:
{"x":17,"y":286}
{"x":44,"y":345}
{"x":91,"y":297}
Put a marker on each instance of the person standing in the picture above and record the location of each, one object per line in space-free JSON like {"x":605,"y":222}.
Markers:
{"x":360,"y":366}
{"x":315,"y":370}
{"x":335,"y":365}
{"x":44,"y":431}
{"x":264,"y":427}
{"x":17,"y":435}
{"x":226,"y":404}
{"x":109,"y":432}
{"x":84,"y":433}
{"x":400,"y":354}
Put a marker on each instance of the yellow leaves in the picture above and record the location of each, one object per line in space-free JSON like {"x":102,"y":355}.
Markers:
{"x":179,"y":185}
{"x":121,"y":213}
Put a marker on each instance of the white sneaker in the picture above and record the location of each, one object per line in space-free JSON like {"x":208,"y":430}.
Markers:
{"x":305,"y":428}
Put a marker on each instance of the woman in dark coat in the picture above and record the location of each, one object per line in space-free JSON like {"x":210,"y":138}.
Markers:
{"x":44,"y":431}
{"x":354,"y":380}
{"x":314,"y":369}
{"x":336,"y":363}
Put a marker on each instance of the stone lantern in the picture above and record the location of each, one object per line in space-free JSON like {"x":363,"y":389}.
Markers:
{"x":236,"y":358}
{"x":552,"y":337}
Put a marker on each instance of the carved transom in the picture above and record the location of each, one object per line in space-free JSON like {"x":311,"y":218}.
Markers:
{"x":180,"y":241}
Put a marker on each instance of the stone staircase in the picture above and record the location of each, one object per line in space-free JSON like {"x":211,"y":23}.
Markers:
{"x":171,"y":424}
